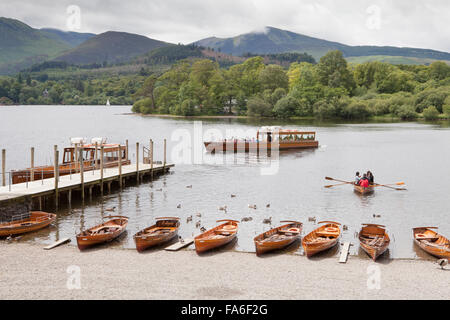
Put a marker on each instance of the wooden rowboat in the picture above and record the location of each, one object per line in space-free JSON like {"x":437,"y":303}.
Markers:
{"x":362,"y":190}
{"x":432,"y":242}
{"x":216,"y":237}
{"x":31,"y":222}
{"x":165,"y":229}
{"x":374,"y":240}
{"x":278,"y":238}
{"x":104,"y":232}
{"x":322,"y":238}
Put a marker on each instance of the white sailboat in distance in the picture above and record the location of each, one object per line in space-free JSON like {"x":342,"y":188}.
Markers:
{"x":107,"y":103}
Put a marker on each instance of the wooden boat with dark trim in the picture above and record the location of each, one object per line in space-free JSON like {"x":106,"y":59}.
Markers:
{"x":33,"y":221}
{"x":322,"y":238}
{"x":164,"y":230}
{"x":363,"y":191}
{"x":374,"y":240}
{"x":71,"y":163}
{"x":432,"y":242}
{"x":267,"y":138}
{"x":101,"y":233}
{"x":217,"y":236}
{"x":278,"y":238}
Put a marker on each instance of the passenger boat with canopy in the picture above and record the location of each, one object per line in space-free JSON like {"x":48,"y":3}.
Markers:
{"x":278,"y":238}
{"x":71,"y":162}
{"x":267,"y":138}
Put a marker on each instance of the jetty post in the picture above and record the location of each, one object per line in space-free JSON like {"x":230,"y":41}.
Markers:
{"x":56,"y":172}
{"x":96,"y":156}
{"x":165,"y":157}
{"x":102,"y":151}
{"x":120,"y":167}
{"x":137,"y":161}
{"x":82,"y":173}
{"x":151,"y":158}
{"x":32,"y":164}
{"x":3,"y":167}
{"x":126,"y":149}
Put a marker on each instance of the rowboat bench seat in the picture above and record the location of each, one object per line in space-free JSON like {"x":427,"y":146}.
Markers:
{"x":327,"y":234}
{"x":222,"y":232}
{"x":421,"y":236}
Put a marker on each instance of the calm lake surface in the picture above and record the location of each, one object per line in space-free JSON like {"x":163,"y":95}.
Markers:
{"x":418,"y":154}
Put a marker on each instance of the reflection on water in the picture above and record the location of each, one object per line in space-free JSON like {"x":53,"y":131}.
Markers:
{"x":417,"y":153}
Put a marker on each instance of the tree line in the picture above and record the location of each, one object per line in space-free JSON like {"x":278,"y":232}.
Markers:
{"x":329,"y":89}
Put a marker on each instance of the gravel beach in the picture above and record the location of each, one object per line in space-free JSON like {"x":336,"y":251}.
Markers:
{"x":29,"y":272}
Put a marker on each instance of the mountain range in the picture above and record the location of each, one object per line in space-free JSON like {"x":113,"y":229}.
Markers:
{"x":22,"y":46}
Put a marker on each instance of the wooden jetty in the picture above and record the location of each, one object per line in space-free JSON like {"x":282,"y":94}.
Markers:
{"x":82,"y":182}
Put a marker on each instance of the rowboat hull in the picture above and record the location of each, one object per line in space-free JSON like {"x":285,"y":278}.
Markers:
{"x":215,"y":238}
{"x":321,"y":239}
{"x":363,"y":191}
{"x":90,"y":238}
{"x":264,"y":243}
{"x":162,"y":232}
{"x":374,"y":240}
{"x":249,"y":146}
{"x":37,"y":220}
{"x":432,"y":242}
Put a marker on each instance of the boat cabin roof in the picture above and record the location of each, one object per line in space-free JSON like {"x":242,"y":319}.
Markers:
{"x":280,"y":131}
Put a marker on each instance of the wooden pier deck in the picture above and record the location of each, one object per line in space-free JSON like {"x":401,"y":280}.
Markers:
{"x":67,"y":183}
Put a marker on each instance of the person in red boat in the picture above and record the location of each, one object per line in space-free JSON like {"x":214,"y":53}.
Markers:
{"x":364,"y":182}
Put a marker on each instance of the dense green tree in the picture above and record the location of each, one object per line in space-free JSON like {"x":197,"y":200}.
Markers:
{"x":273,"y":77}
{"x":257,"y":107}
{"x":333,"y":71}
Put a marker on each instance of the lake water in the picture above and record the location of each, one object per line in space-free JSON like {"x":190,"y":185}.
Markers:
{"x":418,"y":154}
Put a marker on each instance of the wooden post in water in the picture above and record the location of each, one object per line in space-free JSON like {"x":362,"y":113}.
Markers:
{"x":137,"y":161}
{"x":82,"y":173}
{"x":102,"y":150}
{"x":151,"y":159}
{"x":126,"y":150}
{"x":165,"y":158}
{"x":32,"y":164}
{"x":56,"y":173}
{"x":3,"y":167}
{"x":96,"y":156}
{"x":120,"y":166}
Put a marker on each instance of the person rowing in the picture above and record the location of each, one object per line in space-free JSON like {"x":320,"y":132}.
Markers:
{"x":364,"y":182}
{"x":370,"y":177}
{"x":357,"y":178}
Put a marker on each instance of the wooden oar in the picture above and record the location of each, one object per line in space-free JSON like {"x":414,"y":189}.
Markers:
{"x":387,"y":186}
{"x":332,"y":179}
{"x":339,"y":184}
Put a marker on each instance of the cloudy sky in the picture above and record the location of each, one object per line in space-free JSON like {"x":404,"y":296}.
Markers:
{"x":412,"y":23}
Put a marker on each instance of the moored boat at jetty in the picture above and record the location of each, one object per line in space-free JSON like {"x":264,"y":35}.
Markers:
{"x":374,"y":240}
{"x":217,"y":236}
{"x":322,"y":238}
{"x":267,"y":138}
{"x":71,"y":162}
{"x":101,"y":233}
{"x":432,"y":242}
{"x":278,"y":238}
{"x":33,"y":221}
{"x":362,"y":190}
{"x":164,"y":230}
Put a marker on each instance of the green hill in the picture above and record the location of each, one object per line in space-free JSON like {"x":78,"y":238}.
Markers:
{"x":21,"y":46}
{"x":73,"y":39}
{"x":112,"y":47}
{"x":274,"y":40}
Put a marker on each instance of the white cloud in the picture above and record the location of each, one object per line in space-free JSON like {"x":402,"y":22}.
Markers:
{"x":412,"y":23}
